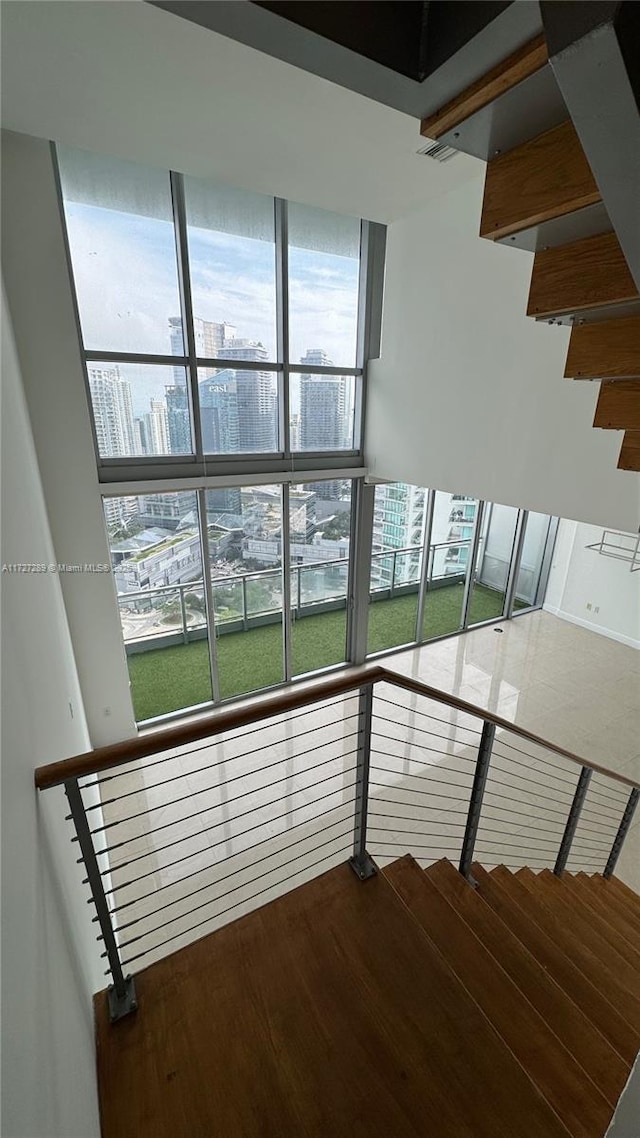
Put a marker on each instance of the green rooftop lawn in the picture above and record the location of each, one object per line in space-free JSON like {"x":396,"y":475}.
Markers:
{"x":169,"y":679}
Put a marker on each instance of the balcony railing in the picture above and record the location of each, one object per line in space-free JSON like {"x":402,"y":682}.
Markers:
{"x":177,"y":612}
{"x":182,"y":830}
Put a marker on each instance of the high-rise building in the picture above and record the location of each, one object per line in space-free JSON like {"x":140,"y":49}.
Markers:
{"x":398,"y":523}
{"x":211,"y":337}
{"x":323,"y":415}
{"x":157,"y":428}
{"x":257,"y":398}
{"x":112,"y":412}
{"x":219,"y":413}
{"x":178,"y":419}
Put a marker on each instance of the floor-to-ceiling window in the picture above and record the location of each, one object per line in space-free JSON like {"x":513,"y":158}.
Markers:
{"x":225,"y":335}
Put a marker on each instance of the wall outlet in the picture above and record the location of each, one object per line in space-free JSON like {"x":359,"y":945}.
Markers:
{"x":107,"y":711}
{"x":588,"y":606}
{"x":597,"y":608}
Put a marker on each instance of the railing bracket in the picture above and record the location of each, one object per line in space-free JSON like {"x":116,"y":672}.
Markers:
{"x":124,"y":1004}
{"x":363,"y":866}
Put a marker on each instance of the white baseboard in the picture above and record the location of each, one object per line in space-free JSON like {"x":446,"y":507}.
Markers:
{"x":591,"y":627}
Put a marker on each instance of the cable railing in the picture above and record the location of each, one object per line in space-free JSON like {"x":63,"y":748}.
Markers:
{"x":240,"y":600}
{"x":184,"y":829}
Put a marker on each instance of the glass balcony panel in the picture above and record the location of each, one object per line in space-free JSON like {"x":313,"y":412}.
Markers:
{"x":491,"y":570}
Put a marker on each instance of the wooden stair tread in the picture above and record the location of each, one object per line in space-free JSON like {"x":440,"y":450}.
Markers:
{"x":597,"y":916}
{"x":630,"y":451}
{"x":326,"y":1011}
{"x":547,"y":177}
{"x":614,"y":886}
{"x":602,"y":1062}
{"x":586,"y":950}
{"x":568,"y":913}
{"x":618,"y":406}
{"x":608,"y":1019}
{"x":563,"y":1083}
{"x":624,"y":924}
{"x":587,"y":274}
{"x":501,"y":78}
{"x":609,"y":349}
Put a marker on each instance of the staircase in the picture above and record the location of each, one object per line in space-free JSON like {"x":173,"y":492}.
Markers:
{"x":410,"y":1004}
{"x":541,"y":195}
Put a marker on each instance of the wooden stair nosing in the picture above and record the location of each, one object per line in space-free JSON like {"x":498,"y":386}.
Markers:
{"x":622,"y":891}
{"x":608,"y":349}
{"x":588,"y":951}
{"x":610,"y":906}
{"x":551,"y":1067}
{"x":618,"y":406}
{"x":501,"y":78}
{"x":588,"y":274}
{"x":547,"y":177}
{"x":630,"y":451}
{"x":606,"y":1064}
{"x":589,"y":926}
{"x":624,"y":925}
{"x":613,"y":1025}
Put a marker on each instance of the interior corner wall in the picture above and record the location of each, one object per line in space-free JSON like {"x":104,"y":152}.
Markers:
{"x":587,"y":588}
{"x":468,"y":395}
{"x":50,"y":958}
{"x":40,"y":302}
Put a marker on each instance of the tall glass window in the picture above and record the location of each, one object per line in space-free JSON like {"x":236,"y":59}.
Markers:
{"x":396,"y":564}
{"x":156,"y":557}
{"x":493,"y":560}
{"x":454,"y":518}
{"x":320,"y":546}
{"x":536,"y":538}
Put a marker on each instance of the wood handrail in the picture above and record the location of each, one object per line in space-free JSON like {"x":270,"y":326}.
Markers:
{"x":216,"y":722}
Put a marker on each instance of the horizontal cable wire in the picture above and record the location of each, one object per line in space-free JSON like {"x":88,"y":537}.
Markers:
{"x":450,"y":850}
{"x":403,"y":817}
{"x":216,"y":916}
{"x":533,"y":782}
{"x":230,"y":857}
{"x":226,"y":802}
{"x":420,"y":746}
{"x":227,"y":782}
{"x":377,"y":798}
{"x":186,"y":857}
{"x":221,"y":896}
{"x":425,"y":731}
{"x":420,"y":777}
{"x":570,"y":782}
{"x":224,"y":821}
{"x":604,"y":799}
{"x":420,"y":763}
{"x":545,"y":797}
{"x":215,"y":740}
{"x":214,"y":766}
{"x":426,"y":715}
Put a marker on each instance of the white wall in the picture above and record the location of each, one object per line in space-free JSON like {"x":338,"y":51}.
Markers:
{"x":41,"y":306}
{"x":50,"y":960}
{"x":582,"y":577}
{"x":468,"y":395}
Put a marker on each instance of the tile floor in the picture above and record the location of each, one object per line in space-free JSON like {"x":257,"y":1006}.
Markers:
{"x":200,"y":835}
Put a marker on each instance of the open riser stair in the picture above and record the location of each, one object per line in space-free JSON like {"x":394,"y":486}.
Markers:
{"x":541,"y":195}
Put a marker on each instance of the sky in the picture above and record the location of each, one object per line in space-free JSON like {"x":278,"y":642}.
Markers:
{"x":127,"y":286}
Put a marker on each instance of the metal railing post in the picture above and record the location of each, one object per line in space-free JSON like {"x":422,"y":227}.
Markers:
{"x":623,"y":830}
{"x":244,"y":604}
{"x":361,"y":862}
{"x":475,"y":801}
{"x":572,"y":821}
{"x":183,"y":610}
{"x":122,"y":993}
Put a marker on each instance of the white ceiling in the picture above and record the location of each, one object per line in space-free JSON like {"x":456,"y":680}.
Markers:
{"x":125,"y":78}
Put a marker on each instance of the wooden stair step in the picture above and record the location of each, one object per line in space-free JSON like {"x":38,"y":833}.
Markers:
{"x":502,"y":78}
{"x":610,"y":905}
{"x":608,"y":349}
{"x":613,"y":886}
{"x":586,"y":924}
{"x":602,"y":1061}
{"x":618,"y":406}
{"x":327,"y":1011}
{"x":588,"y":274}
{"x":547,"y":177}
{"x":625,"y":924}
{"x":551,"y":1067}
{"x":630,"y":451}
{"x":587,"y":951}
{"x":622,"y":1035}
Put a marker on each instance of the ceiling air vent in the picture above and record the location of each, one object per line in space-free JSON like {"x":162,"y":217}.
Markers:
{"x":437,"y":151}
